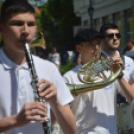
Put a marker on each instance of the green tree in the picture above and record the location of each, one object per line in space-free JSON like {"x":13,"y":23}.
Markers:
{"x":62,"y":11}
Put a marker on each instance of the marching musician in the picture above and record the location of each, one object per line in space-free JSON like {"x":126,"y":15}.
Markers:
{"x":132,"y":104}
{"x":110,"y":45}
{"x":95,"y":111}
{"x":18,"y":111}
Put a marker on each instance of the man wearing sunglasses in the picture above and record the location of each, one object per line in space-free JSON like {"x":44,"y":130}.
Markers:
{"x":95,"y":111}
{"x":110,"y":45}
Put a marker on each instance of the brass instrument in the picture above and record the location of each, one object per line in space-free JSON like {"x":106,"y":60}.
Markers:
{"x":38,"y":41}
{"x":39,"y":37}
{"x":92,"y":73}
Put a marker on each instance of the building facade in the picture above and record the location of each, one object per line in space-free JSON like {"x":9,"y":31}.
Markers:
{"x":119,"y":12}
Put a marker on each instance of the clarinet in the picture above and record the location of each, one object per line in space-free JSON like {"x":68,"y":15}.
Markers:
{"x":29,"y":59}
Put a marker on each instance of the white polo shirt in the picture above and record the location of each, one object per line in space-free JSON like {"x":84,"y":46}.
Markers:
{"x":16,"y":89}
{"x":95,"y":111}
{"x":55,"y":58}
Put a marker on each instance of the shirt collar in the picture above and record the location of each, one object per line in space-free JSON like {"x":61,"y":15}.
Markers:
{"x":78,"y":66}
{"x":8,"y":63}
{"x":103,"y":52}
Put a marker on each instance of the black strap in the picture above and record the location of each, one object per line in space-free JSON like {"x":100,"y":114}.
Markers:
{"x":120,"y":98}
{"x":122,"y":56}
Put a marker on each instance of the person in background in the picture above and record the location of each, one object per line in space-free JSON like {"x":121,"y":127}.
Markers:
{"x":44,"y":54}
{"x":110,"y":45}
{"x":95,"y":111}
{"x":55,"y":57}
{"x":64,"y":56}
{"x":129,"y":50}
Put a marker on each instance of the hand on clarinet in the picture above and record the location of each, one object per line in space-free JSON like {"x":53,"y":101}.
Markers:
{"x":28,"y":113}
{"x":47,"y":90}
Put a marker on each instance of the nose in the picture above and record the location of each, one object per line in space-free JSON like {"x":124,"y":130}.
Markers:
{"x":97,"y":47}
{"x":25,"y":29}
{"x":97,"y":51}
{"x":115,"y":37}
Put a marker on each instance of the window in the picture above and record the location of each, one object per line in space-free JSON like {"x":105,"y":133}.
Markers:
{"x":129,"y":24}
{"x":105,"y":19}
{"x":86,"y":23}
{"x":117,"y":20}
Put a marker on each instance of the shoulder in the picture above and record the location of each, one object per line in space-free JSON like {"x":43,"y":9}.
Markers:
{"x":72,"y":72}
{"x":42,"y":63}
{"x":128,"y":59}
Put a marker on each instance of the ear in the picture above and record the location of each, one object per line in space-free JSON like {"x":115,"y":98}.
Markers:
{"x":78,"y":48}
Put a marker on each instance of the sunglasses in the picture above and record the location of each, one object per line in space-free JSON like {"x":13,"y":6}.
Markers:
{"x":111,"y":35}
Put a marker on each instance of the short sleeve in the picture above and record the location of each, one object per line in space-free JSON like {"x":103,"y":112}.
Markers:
{"x":63,"y":93}
{"x":129,"y":69}
{"x":117,"y":86}
{"x":65,"y":79}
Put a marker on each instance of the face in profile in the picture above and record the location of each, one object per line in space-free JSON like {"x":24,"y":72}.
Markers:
{"x":129,"y":45}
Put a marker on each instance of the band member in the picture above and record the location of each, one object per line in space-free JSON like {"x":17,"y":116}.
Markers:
{"x":17,"y":107}
{"x":95,"y":111}
{"x":110,"y":45}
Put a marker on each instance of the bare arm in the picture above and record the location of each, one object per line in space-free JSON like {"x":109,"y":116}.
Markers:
{"x":25,"y":116}
{"x":63,"y":114}
{"x":127,"y":89}
{"x":65,"y":118}
{"x":7,"y":123}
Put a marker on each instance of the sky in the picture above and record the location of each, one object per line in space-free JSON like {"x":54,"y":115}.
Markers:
{"x":39,"y":3}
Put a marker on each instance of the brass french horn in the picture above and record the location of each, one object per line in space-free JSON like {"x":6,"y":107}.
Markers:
{"x":91,"y":74}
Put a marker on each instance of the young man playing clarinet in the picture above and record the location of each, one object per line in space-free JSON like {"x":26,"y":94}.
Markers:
{"x":17,"y":107}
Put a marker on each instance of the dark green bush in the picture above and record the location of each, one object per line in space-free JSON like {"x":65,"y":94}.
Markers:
{"x":66,"y":67}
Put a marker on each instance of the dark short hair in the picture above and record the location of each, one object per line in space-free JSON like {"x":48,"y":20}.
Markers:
{"x":107,"y":26}
{"x":14,"y":6}
{"x":132,"y":41}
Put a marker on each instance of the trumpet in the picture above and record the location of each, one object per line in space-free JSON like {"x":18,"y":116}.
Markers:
{"x":46,"y":124}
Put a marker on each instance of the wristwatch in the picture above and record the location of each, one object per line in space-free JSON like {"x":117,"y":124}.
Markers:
{"x":121,"y":75}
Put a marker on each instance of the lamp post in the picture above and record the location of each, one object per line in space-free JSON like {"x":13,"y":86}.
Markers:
{"x":55,"y":27}
{"x":91,"y":12}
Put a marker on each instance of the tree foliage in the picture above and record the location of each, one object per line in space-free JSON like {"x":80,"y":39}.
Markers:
{"x":62,"y":11}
